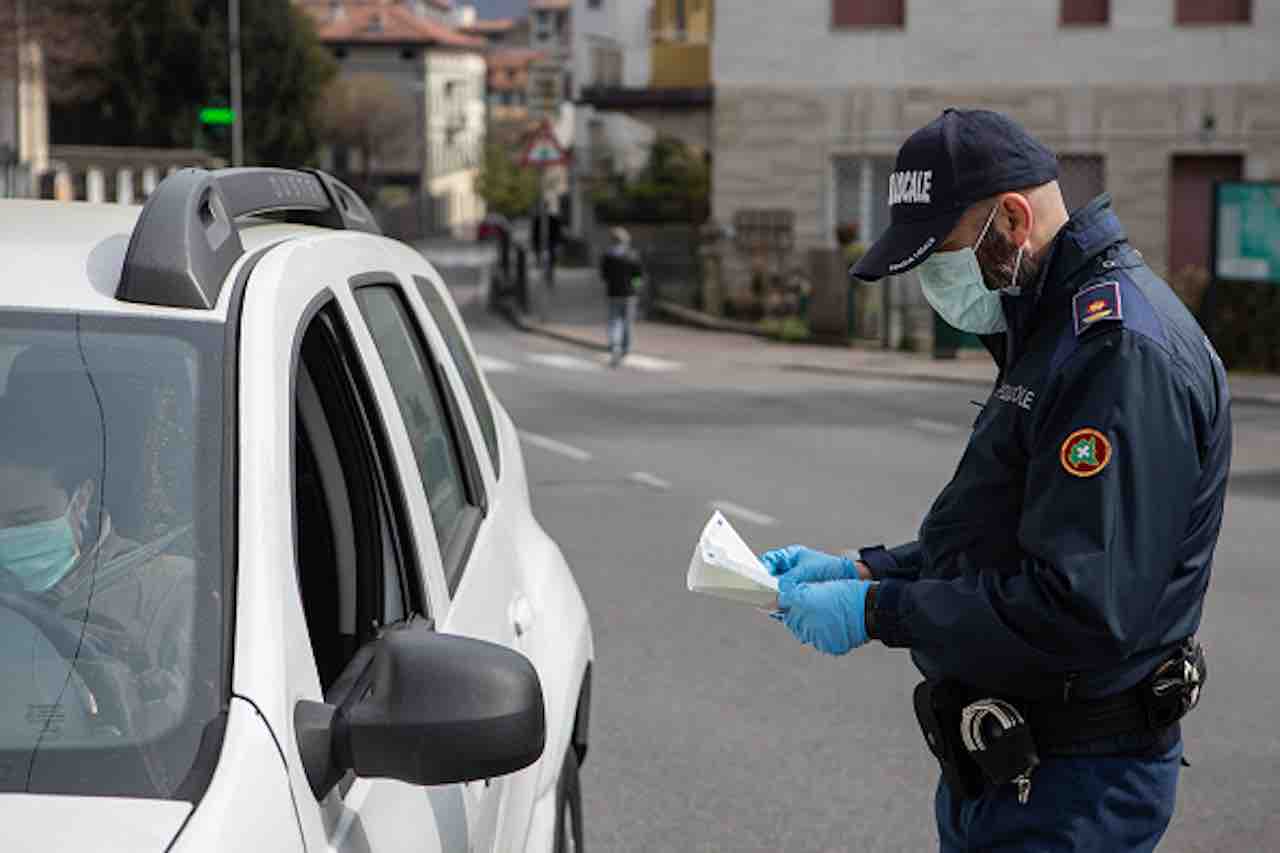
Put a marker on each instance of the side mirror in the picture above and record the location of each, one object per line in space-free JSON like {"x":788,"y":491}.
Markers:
{"x":424,"y":708}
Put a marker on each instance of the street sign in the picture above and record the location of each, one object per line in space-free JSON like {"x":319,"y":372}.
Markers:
{"x":217,"y":116}
{"x":1246,"y":245}
{"x":543,"y":150}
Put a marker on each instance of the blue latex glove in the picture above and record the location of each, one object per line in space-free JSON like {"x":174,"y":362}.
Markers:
{"x":805,"y":565}
{"x":830,"y":616}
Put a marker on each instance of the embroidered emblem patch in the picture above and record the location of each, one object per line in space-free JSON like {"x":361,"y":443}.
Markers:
{"x":1096,"y":304}
{"x":1085,"y":452}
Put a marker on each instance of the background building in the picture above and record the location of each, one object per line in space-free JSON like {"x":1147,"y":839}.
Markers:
{"x":551,"y":34}
{"x":642,"y":70}
{"x":809,"y":119}
{"x":508,"y":90}
{"x":24,"y":117}
{"x":497,"y":32}
{"x":438,"y":76}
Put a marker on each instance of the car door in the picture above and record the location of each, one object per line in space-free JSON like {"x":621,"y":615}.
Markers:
{"x":492,"y":582}
{"x":358,"y":573}
{"x":450,"y":473}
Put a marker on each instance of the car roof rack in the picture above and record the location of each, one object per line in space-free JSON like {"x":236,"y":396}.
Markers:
{"x":186,"y":239}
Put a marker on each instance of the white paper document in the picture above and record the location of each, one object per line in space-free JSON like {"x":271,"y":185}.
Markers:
{"x":725,"y":567}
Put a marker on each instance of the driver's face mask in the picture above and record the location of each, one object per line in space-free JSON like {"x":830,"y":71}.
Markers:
{"x":952,"y":283}
{"x":39,"y":554}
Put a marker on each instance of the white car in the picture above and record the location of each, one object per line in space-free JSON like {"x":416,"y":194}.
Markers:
{"x":269,"y":578}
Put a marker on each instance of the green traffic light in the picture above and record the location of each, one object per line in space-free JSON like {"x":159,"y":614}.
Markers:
{"x":217,"y":115}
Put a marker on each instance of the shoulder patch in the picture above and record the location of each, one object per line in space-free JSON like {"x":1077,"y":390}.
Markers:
{"x":1085,"y":452}
{"x":1097,"y":304}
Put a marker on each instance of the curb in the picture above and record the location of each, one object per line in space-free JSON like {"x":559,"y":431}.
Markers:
{"x":508,"y":309}
{"x":701,"y":320}
{"x":883,"y":373}
{"x":513,"y":315}
{"x":1256,"y":399}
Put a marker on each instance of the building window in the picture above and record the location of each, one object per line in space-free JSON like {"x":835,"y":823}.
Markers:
{"x":1086,"y":13}
{"x":856,"y":14}
{"x":1214,"y":11}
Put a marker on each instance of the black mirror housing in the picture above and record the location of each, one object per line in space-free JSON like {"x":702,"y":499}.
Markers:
{"x":427,"y":709}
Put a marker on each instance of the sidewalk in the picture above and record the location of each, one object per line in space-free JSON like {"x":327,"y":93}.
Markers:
{"x":574,"y":312}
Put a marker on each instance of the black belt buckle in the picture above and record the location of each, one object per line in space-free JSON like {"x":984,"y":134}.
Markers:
{"x":938,"y":705}
{"x":1170,"y":692}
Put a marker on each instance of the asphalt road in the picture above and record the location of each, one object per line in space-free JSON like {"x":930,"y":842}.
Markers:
{"x":713,"y":730}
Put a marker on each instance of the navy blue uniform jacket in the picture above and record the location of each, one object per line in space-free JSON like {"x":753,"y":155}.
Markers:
{"x":1072,"y":548}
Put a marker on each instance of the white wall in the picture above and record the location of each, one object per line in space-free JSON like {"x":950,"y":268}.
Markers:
{"x":981,"y":42}
{"x":457,"y":85}
{"x":622,"y":23}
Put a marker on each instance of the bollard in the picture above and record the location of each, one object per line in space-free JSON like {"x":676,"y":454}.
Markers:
{"x":522,"y":279}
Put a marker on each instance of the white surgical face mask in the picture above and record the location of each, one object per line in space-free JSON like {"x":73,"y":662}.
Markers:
{"x":953,"y":285}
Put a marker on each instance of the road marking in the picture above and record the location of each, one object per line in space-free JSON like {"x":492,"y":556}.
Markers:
{"x":936,"y":427}
{"x":554,"y":446}
{"x":562,"y":361}
{"x":651,"y":364}
{"x":646,"y":479}
{"x":745,"y":514}
{"x":489,"y":364}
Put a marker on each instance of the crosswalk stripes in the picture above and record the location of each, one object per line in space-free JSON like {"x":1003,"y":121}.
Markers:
{"x":651,"y":364}
{"x":489,"y":364}
{"x":563,"y":361}
{"x":578,"y":364}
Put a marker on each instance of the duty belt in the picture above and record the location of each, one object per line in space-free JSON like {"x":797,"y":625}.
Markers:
{"x":983,"y":740}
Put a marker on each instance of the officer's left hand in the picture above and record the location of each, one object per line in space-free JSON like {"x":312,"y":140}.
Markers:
{"x":829,"y":616}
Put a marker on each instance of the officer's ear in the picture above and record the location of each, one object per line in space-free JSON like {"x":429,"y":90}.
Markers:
{"x":1015,"y":218}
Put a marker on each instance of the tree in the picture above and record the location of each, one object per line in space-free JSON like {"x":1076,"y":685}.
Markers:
{"x":69,"y":34}
{"x":673,"y":186}
{"x":506,"y":187}
{"x":285,"y":74}
{"x":365,"y":115}
{"x":152,"y":77}
{"x":162,"y":60}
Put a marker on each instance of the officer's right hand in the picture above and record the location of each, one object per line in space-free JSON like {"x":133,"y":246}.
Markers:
{"x":798,"y":564}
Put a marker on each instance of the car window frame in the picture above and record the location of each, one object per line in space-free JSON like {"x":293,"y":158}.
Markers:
{"x":430,"y":291}
{"x":388,"y":487}
{"x":455,"y":557}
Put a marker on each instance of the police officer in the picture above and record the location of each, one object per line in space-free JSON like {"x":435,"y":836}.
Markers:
{"x":1057,"y":582}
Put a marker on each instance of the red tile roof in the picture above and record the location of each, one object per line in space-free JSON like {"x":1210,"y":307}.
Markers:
{"x":494,"y":25}
{"x":382,"y":22}
{"x":514,"y":57}
{"x":508,"y":70}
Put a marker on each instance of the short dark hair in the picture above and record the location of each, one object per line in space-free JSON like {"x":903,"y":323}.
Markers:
{"x":50,"y":417}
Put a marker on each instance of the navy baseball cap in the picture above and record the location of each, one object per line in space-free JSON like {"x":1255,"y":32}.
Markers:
{"x":959,"y":158}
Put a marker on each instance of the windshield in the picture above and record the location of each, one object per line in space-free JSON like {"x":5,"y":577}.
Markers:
{"x":110,"y":582}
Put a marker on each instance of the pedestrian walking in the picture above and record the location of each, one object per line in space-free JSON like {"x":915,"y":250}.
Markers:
{"x":623,"y":274}
{"x":548,"y":252}
{"x":1052,"y":598}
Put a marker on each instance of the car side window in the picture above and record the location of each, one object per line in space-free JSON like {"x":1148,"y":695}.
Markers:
{"x":355,"y":556}
{"x":445,"y":460}
{"x":466,"y":366}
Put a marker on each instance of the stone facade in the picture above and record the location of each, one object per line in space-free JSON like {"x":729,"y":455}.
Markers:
{"x":1132,"y":95}
{"x":776,"y":145}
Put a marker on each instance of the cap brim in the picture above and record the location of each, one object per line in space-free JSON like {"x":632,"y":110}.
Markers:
{"x":905,"y":246}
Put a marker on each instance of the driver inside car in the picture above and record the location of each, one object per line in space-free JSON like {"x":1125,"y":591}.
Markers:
{"x":112,"y":617}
